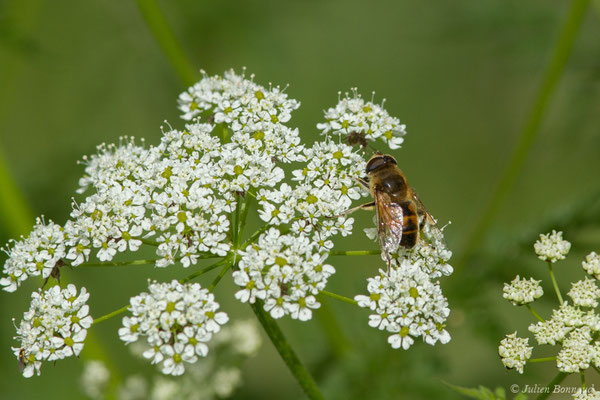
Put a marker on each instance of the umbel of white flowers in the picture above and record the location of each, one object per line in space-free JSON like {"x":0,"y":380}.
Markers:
{"x":574,"y":327}
{"x":186,"y":197}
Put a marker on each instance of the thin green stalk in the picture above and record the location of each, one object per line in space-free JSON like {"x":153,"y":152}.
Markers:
{"x":286,"y":352}
{"x":118,"y":263}
{"x":110,"y":315}
{"x":204,"y":270}
{"x":339,"y":297}
{"x":218,"y":278}
{"x":554,"y":283}
{"x":150,"y":242}
{"x":536,"y":360}
{"x":550,"y":387}
{"x":534,"y":313}
{"x":355,"y":253}
{"x":582,"y":379}
{"x":166,"y":39}
{"x":254,"y":236}
{"x":245,"y":208}
{"x":596,"y":368}
{"x":554,"y":70}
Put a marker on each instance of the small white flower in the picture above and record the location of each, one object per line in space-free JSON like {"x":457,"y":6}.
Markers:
{"x":407,"y":304}
{"x":55,"y":327}
{"x":552,"y":247}
{"x":359,"y":121}
{"x":585,"y":293}
{"x":588,"y":393}
{"x":94,"y":379}
{"x":34,"y":255}
{"x":591,"y":265}
{"x":549,"y":332}
{"x":226,"y":380}
{"x":286,"y":271}
{"x":514,"y":352}
{"x":576,"y":353}
{"x":177,"y":320}
{"x":522,"y":291}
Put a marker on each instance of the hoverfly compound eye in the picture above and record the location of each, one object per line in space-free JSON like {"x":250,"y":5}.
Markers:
{"x":390,"y":159}
{"x":375,"y":163}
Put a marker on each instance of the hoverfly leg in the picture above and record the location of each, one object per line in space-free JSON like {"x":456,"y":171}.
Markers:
{"x":363,"y":181}
{"x":366,"y":206}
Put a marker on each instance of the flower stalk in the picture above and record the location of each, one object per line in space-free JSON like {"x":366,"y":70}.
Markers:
{"x":286,"y":352}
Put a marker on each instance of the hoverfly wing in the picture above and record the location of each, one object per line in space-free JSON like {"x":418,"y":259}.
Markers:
{"x":427,"y":220}
{"x":389,"y":223}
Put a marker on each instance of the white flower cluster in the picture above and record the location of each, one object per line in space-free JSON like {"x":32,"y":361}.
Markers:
{"x":54,"y":327}
{"x":552,"y":247}
{"x":408,"y":304}
{"x":575,"y":330}
{"x":34,"y":255}
{"x":325,"y":188}
{"x":514,"y":352}
{"x":254,"y":114}
{"x":591,"y":264}
{"x":177,"y":321}
{"x":585,"y":293}
{"x":179,"y":192}
{"x":408,"y":299}
{"x":286,"y":272}
{"x":587,"y":394}
{"x":94,"y":379}
{"x":574,"y":327}
{"x":216,"y":376}
{"x":522,"y":291}
{"x":360,"y":121}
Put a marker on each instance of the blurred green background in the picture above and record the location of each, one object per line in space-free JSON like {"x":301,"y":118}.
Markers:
{"x":462,"y":75}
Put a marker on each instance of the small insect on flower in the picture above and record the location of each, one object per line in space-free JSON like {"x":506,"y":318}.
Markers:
{"x":401,"y":216}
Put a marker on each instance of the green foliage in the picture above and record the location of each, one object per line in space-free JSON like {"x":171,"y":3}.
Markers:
{"x":483,"y":393}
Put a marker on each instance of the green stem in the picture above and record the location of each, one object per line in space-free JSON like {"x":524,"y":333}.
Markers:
{"x":218,"y":278}
{"x":355,"y":253}
{"x":286,"y":352}
{"x":582,"y":379}
{"x":534,"y":313}
{"x":166,"y":39}
{"x":254,"y":236}
{"x":554,"y":70}
{"x":245,"y":207}
{"x":339,"y":297}
{"x":110,"y":315}
{"x":536,"y":360}
{"x":118,"y":263}
{"x":550,"y":387}
{"x":596,"y":369}
{"x":204,"y":270}
{"x":150,"y":242}
{"x":554,"y":283}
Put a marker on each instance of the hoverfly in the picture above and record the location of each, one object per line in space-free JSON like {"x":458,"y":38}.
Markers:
{"x":401,"y":216}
